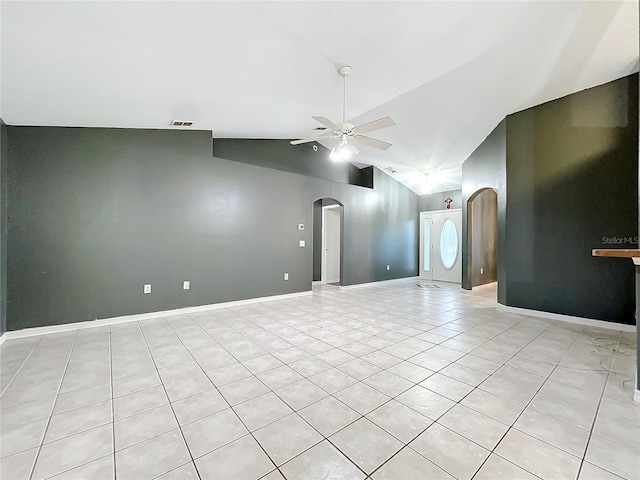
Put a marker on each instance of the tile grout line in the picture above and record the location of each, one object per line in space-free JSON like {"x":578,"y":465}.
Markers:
{"x":24,"y":362}
{"x":493,"y":451}
{"x":169,"y":403}
{"x":113,"y":407}
{"x":64,"y":373}
{"x":595,"y":417}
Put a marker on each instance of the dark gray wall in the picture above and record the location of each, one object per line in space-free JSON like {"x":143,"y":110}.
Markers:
{"x":486,"y":168}
{"x":483,"y":236}
{"x":96,"y":213}
{"x":4,"y":158}
{"x":435,"y":201}
{"x":281,"y":155}
{"x":572,"y":183}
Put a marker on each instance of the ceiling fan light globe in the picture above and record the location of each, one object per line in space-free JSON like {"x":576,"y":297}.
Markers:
{"x":335,"y":155}
{"x":345,"y":154}
{"x":346,"y":151}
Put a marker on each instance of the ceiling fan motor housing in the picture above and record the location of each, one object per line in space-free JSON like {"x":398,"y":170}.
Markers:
{"x":344,"y":70}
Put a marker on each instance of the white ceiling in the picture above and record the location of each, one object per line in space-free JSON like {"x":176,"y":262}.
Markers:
{"x":447,"y":72}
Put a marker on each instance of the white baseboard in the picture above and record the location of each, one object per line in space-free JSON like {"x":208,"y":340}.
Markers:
{"x":485,"y":285}
{"x":316,"y":282}
{"x":30,"y":332}
{"x":568,"y":318}
{"x":380,"y":283}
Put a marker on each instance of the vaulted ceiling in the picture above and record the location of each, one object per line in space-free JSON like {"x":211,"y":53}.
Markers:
{"x":447,"y":72}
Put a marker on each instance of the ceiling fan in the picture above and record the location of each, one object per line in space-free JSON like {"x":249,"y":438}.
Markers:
{"x":345,"y":131}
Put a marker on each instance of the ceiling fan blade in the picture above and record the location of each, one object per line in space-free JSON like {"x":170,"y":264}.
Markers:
{"x":307,"y":140}
{"x":375,"y":125}
{"x":327,"y":123}
{"x":372,"y":142}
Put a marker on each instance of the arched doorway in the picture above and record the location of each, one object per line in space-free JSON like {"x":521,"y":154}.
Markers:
{"x":327,"y":242}
{"x":482,"y":239}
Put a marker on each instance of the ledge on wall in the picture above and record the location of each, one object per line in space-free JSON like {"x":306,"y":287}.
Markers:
{"x":310,"y":159}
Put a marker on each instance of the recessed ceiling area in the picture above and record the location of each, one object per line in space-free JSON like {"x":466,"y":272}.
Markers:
{"x":446,"y":72}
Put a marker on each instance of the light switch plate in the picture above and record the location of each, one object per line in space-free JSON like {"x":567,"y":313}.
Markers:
{"x":301,"y":226}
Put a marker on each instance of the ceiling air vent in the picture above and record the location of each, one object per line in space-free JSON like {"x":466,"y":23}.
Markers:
{"x":390,"y":170}
{"x":181,"y":123}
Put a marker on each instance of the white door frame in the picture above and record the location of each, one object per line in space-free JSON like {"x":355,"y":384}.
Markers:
{"x":323,"y":270}
{"x":422,"y":273}
{"x":433,"y":237}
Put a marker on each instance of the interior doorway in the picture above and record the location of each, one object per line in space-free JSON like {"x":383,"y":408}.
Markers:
{"x":441,"y":245}
{"x":331,"y":244}
{"x":482,"y":237}
{"x":327,"y":241}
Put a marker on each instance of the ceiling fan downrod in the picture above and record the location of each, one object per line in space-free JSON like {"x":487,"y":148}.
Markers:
{"x":344,"y":72}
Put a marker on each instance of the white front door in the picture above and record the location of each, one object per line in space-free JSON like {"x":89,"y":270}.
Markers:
{"x":441,"y":245}
{"x":446,"y":241}
{"x":331,"y":244}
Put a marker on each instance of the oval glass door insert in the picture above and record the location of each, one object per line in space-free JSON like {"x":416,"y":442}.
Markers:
{"x":448,"y":244}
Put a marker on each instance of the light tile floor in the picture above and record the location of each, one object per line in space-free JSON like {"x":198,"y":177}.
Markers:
{"x":390,"y":382}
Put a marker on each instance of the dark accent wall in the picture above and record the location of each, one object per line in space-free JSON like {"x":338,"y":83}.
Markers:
{"x":4,"y":159}
{"x":96,"y":213}
{"x":435,"y":201}
{"x":482,"y":217}
{"x":486,"y":168}
{"x":281,"y":155}
{"x":572,"y":184}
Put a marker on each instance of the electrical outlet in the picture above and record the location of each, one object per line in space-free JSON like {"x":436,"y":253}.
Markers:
{"x":481,"y":270}
{"x":286,"y":276}
{"x":186,"y":284}
{"x":147,"y":288}
{"x":388,"y":267}
{"x":302,"y":243}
